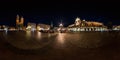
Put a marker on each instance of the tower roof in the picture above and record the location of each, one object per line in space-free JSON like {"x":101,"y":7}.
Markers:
{"x":77,"y":19}
{"x":17,"y":15}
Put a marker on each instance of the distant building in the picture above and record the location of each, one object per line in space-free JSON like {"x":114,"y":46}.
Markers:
{"x":116,"y":27}
{"x":43,"y":27}
{"x":83,"y":25}
{"x":19,"y":22}
{"x":31,"y":26}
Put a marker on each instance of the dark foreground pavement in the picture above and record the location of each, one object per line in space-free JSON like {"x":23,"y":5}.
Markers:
{"x":56,"y":51}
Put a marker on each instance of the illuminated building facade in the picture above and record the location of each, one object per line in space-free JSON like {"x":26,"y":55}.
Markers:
{"x":116,"y":27}
{"x":31,"y":26}
{"x":83,"y":25}
{"x":43,"y":27}
{"x":19,"y":22}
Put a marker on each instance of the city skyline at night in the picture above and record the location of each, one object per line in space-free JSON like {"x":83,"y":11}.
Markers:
{"x":56,"y":11}
{"x":59,"y":30}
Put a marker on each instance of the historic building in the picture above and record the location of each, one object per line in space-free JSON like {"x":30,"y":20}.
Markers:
{"x":83,"y":25}
{"x":19,"y":22}
{"x":43,"y":27}
{"x":31,"y":26}
{"x":116,"y":27}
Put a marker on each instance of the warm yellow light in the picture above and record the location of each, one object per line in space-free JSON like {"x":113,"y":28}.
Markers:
{"x":61,"y":38}
{"x":38,"y":35}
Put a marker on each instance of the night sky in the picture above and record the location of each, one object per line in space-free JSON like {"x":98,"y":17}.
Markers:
{"x":57,"y":11}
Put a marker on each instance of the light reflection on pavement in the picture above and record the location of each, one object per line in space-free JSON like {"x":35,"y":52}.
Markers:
{"x":59,"y":46}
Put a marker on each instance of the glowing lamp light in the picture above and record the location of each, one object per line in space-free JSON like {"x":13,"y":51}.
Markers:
{"x":61,"y":24}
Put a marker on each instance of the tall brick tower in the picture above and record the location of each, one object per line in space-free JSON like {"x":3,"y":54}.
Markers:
{"x":19,"y":22}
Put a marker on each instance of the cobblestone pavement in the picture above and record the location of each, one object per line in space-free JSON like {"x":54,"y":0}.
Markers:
{"x":59,"y":46}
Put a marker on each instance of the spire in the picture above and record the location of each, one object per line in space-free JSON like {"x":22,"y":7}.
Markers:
{"x":17,"y":17}
{"x":22,"y":20}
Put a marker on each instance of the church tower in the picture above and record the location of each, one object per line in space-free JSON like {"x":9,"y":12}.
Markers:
{"x":22,"y":20}
{"x":19,"y":22}
{"x":17,"y":19}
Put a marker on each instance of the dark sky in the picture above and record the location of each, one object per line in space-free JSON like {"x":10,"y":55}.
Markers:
{"x":67,"y":11}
